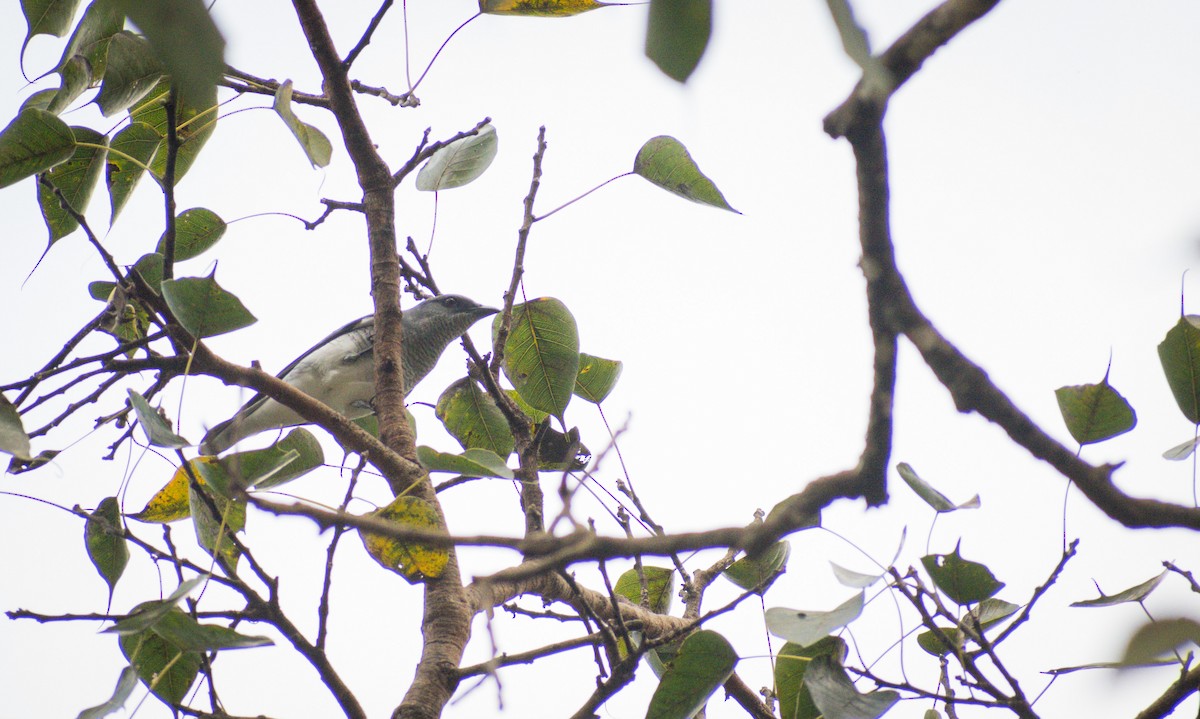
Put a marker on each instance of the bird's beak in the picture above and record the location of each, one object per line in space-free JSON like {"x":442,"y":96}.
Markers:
{"x":486,"y":312}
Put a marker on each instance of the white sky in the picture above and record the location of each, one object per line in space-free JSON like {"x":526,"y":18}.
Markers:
{"x":1044,"y":207}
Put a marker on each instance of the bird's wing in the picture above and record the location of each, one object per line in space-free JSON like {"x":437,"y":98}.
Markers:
{"x":258,"y":400}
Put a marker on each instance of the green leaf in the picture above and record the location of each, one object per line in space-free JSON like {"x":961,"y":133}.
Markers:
{"x":704,"y":662}
{"x":1182,"y":451}
{"x":536,"y":416}
{"x":106,"y":546}
{"x":76,"y":77}
{"x":129,"y":155}
{"x":965,"y":582}
{"x":541,"y":356}
{"x":185,"y":633}
{"x":659,"y":587}
{"x":47,"y":17}
{"x":760,"y":571}
{"x":133,"y":71}
{"x":677,"y":35}
{"x":145,"y":615}
{"x":195,"y":121}
{"x":158,"y":430}
{"x":1159,"y":637}
{"x":472,"y":418}
{"x":835,"y":695}
{"x":100,"y":22}
{"x":13,"y":439}
{"x":665,"y":162}
{"x":194,"y":58}
{"x":76,"y":179}
{"x":931,"y":643}
{"x":215,"y":529}
{"x":806,"y":627}
{"x":1095,"y":412}
{"x":460,"y":162}
{"x":314,"y":143}
{"x":795,"y":700}
{"x":932,"y":497}
{"x":984,"y":615}
{"x":164,"y":668}
{"x":538,"y":8}
{"x":196,"y":230}
{"x":1133,"y":594}
{"x":293,"y":456}
{"x":471,"y":463}
{"x":39,"y":100}
{"x":204,"y":308}
{"x":1179,"y":353}
{"x":125,"y":684}
{"x":33,"y":142}
{"x":412,"y":560}
{"x":597,"y":377}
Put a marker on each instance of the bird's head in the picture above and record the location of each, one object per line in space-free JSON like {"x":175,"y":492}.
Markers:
{"x":445,"y":317}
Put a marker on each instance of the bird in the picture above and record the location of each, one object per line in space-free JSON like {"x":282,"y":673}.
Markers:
{"x":340,"y":369}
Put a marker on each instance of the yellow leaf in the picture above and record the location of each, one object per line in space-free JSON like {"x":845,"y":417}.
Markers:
{"x":170,"y":503}
{"x":412,"y":560}
{"x":538,"y":8}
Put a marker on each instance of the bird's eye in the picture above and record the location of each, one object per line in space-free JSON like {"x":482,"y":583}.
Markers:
{"x":451,"y":301}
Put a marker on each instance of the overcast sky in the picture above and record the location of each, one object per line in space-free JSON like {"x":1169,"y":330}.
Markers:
{"x":1044,"y":208}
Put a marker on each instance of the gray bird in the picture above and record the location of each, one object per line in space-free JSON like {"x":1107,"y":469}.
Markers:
{"x":340,"y":369}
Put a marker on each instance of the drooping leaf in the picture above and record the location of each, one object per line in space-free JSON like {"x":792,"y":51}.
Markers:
{"x":932,"y":497}
{"x":806,"y":627}
{"x":129,"y":155}
{"x":47,"y":17}
{"x":597,"y":377}
{"x":76,"y":179}
{"x":951,"y":641}
{"x":33,"y":142}
{"x":204,"y":308}
{"x":132,"y":72}
{"x":145,"y":615}
{"x":791,"y":664}
{"x":125,"y":685}
{"x":984,"y":615}
{"x":295,"y":455}
{"x":100,"y":22}
{"x":195,"y":58}
{"x":835,"y":695}
{"x":13,"y":439}
{"x":217,"y":519}
{"x":316,"y":146}
{"x":471,"y":463}
{"x":472,"y":418}
{"x":853,"y":579}
{"x":39,"y":100}
{"x":758,"y":572}
{"x":1095,"y":412}
{"x":195,"y":121}
{"x":196,"y":230}
{"x":1133,"y":594}
{"x":665,"y":162}
{"x":1179,"y":353}
{"x":538,"y":8}
{"x":165,"y":669}
{"x":541,"y":356}
{"x":677,"y":35}
{"x":460,"y":162}
{"x":1158,"y":637}
{"x":76,"y":76}
{"x":106,"y":546}
{"x":185,"y":633}
{"x":659,"y":587}
{"x":1182,"y":451}
{"x":965,"y":582}
{"x":704,"y":662}
{"x":172,"y":502}
{"x":412,"y":560}
{"x":158,"y":430}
